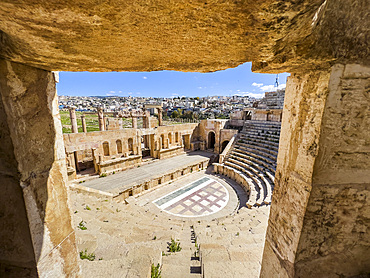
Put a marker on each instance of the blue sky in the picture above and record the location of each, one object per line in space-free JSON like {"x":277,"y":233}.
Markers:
{"x":236,"y":81}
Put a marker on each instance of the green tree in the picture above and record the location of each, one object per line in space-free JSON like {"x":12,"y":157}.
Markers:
{"x":175,"y":114}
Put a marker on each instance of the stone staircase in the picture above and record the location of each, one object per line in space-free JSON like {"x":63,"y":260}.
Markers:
{"x":254,"y":158}
{"x":184,"y":264}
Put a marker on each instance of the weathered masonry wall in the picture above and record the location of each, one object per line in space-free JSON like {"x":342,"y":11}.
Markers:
{"x":215,"y":126}
{"x":319,"y":220}
{"x":115,"y":150}
{"x":156,"y":180}
{"x":336,"y":227}
{"x":16,"y":253}
{"x":94,"y":140}
{"x":37,"y":227}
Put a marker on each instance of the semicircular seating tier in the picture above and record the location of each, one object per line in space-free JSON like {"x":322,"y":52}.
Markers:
{"x":253,"y":156}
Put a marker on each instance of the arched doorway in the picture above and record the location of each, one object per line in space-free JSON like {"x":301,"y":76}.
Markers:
{"x":223,"y":145}
{"x":211,"y":140}
{"x":106,"y":148}
{"x":130,"y":144}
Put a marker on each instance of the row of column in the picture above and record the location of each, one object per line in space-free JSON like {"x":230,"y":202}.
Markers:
{"x":101,"y":119}
{"x":72,"y":115}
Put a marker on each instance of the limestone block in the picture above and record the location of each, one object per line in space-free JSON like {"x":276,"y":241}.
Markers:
{"x":322,"y":175}
{"x":31,"y":106}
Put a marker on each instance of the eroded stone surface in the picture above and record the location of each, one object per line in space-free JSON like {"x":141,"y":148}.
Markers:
{"x":31,"y":108}
{"x":323,"y":176}
{"x":336,"y":226}
{"x":183,"y":35}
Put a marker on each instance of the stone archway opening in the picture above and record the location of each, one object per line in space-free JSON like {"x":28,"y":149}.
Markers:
{"x":211,"y":140}
{"x":223,"y":145}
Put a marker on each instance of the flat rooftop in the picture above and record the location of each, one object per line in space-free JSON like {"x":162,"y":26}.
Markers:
{"x":124,"y":180}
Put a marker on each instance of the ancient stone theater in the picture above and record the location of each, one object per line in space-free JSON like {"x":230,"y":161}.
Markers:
{"x":278,"y":190}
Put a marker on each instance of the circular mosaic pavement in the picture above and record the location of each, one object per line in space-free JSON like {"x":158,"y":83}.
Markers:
{"x":202,"y":197}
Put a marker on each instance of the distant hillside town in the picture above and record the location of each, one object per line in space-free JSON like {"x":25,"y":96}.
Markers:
{"x":211,"y":107}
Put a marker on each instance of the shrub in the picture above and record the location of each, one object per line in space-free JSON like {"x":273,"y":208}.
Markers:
{"x":174,"y":246}
{"x":86,"y":256}
{"x":82,"y":226}
{"x":156,"y":271}
{"x":102,"y":175}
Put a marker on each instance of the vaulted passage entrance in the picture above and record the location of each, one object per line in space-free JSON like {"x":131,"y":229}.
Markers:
{"x":211,"y":140}
{"x":223,"y":145}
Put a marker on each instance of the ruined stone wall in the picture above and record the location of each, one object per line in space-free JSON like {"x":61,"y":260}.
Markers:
{"x":227,"y":134}
{"x":207,"y":126}
{"x":89,"y":146}
{"x":114,"y":124}
{"x":153,"y":121}
{"x":236,"y":115}
{"x":168,"y":134}
{"x":273,"y":115}
{"x":94,"y":140}
{"x":272,"y":100}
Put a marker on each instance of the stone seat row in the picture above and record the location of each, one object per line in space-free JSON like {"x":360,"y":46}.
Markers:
{"x":265,"y":185}
{"x":257,"y":156}
{"x":271,"y":132}
{"x":252,"y":160}
{"x":260,"y":165}
{"x":259,"y":137}
{"x":259,"y":193}
{"x":260,"y":152}
{"x":267,"y":130}
{"x":261,"y":124}
{"x":266,"y":149}
{"x":236,"y":175}
{"x":259,"y":143}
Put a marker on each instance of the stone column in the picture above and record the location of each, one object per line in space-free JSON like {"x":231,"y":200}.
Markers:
{"x":160,"y":143}
{"x":319,"y":219}
{"x":146,"y":119}
{"x":168,"y":143}
{"x":101,"y":119}
{"x":134,"y":122}
{"x":83,"y":121}
{"x":138,"y":140}
{"x":72,"y":115}
{"x":160,"y":121}
{"x":36,"y":234}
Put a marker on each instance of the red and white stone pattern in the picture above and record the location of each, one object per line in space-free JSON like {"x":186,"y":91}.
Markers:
{"x":206,"y":198}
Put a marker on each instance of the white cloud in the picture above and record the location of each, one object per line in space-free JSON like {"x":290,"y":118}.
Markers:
{"x":144,"y":77}
{"x":109,"y":94}
{"x":257,"y":84}
{"x":272,"y":88}
{"x":112,"y":92}
{"x":200,"y":87}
